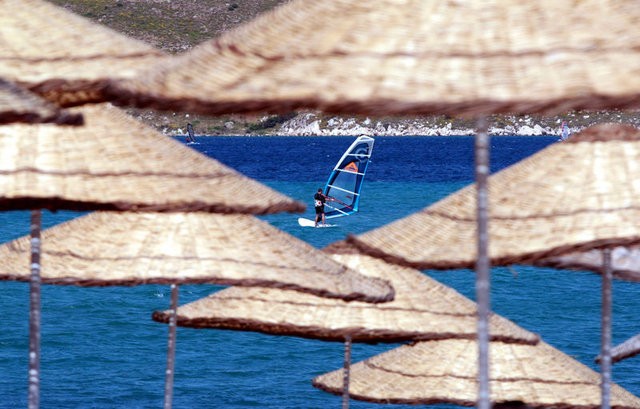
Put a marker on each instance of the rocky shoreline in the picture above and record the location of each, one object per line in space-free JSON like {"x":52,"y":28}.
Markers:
{"x":318,"y":124}
{"x":312,"y":124}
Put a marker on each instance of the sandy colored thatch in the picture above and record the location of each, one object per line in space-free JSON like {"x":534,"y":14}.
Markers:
{"x":422,"y":309}
{"x":625,"y":262}
{"x":445,"y":371}
{"x":409,"y":56}
{"x":116,"y":162}
{"x":112,"y":248}
{"x":570,"y":196}
{"x":65,"y":57}
{"x":19,"y":105}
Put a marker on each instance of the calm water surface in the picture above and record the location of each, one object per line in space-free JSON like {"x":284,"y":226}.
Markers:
{"x":100,"y":349}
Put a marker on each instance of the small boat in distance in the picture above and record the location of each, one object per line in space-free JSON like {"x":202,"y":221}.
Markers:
{"x":345,"y":181}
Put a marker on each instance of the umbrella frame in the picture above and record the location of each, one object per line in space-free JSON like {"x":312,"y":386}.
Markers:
{"x":607,"y":306}
{"x":483,"y":264}
{"x":34,"y":311}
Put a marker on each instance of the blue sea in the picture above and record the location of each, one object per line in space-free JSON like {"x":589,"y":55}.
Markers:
{"x":100,"y":348}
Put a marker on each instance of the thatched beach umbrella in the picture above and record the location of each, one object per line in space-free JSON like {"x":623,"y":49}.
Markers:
{"x":573,"y":196}
{"x":22,"y":106}
{"x":404,"y":57}
{"x":408,"y":56}
{"x":621,"y":262}
{"x":625,"y":262}
{"x":106,"y":248}
{"x":576,"y":195}
{"x":113,"y":162}
{"x":117,"y":163}
{"x":127,"y":248}
{"x":124,"y":248}
{"x":444,"y":371}
{"x":65,"y":57}
{"x":422,"y":309}
{"x":18,"y":105}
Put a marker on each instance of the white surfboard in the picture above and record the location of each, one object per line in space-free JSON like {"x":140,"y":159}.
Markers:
{"x":310,"y":223}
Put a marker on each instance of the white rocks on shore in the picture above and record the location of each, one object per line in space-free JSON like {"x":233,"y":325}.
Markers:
{"x":310,"y":124}
{"x":315,"y":124}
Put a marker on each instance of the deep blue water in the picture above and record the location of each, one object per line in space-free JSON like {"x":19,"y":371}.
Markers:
{"x":100,"y":349}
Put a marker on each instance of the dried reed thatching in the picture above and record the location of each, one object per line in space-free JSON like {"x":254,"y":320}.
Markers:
{"x":122,"y":248}
{"x":62,"y":56}
{"x":570,"y":196}
{"x":445,"y":371}
{"x":116,"y":163}
{"x":408,"y":56}
{"x":422,"y":309}
{"x":19,"y":105}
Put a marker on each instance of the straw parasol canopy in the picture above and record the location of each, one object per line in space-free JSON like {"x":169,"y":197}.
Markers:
{"x":422,"y":309}
{"x":625,"y":262}
{"x":19,"y":105}
{"x":116,"y":163}
{"x":444,"y":371}
{"x":570,"y":196}
{"x":124,"y":248}
{"x":408,"y":56}
{"x":62,"y":56}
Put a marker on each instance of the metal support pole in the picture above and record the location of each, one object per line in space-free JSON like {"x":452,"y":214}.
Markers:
{"x":34,"y":312}
{"x":171,"y":349}
{"x":346,"y":372}
{"x":483,"y":282}
{"x":605,"y":363}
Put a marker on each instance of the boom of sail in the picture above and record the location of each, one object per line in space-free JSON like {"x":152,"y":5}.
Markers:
{"x":345,"y":181}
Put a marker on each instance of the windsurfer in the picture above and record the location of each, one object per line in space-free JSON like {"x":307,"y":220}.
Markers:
{"x":564,"y":128}
{"x":190,"y":134}
{"x":319,"y":201}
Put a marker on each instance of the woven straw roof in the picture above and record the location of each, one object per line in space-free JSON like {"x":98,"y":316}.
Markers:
{"x":445,"y":371}
{"x":116,"y":162}
{"x":625,"y":262}
{"x":422,"y":309}
{"x":19,"y":105}
{"x":409,"y":56}
{"x":123,"y":248}
{"x":62,"y":56}
{"x":570,"y":196}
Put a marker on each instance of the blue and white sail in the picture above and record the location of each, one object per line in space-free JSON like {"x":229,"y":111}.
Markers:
{"x":565,"y":131}
{"x":345,"y":181}
{"x":190,"y":134}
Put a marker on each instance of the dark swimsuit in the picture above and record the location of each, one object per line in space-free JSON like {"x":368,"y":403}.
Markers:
{"x":319,"y":199}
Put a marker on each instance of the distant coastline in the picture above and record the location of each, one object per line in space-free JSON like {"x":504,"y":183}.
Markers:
{"x":318,"y":124}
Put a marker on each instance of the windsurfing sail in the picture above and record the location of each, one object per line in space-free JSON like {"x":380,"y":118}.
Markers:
{"x":190,"y":134}
{"x":345,"y":181}
{"x":565,"y":131}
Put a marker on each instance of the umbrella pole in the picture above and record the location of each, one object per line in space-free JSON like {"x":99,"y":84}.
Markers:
{"x":346,"y":373}
{"x":34,"y":312}
{"x":605,"y":363}
{"x":482,"y":263}
{"x":171,"y":349}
